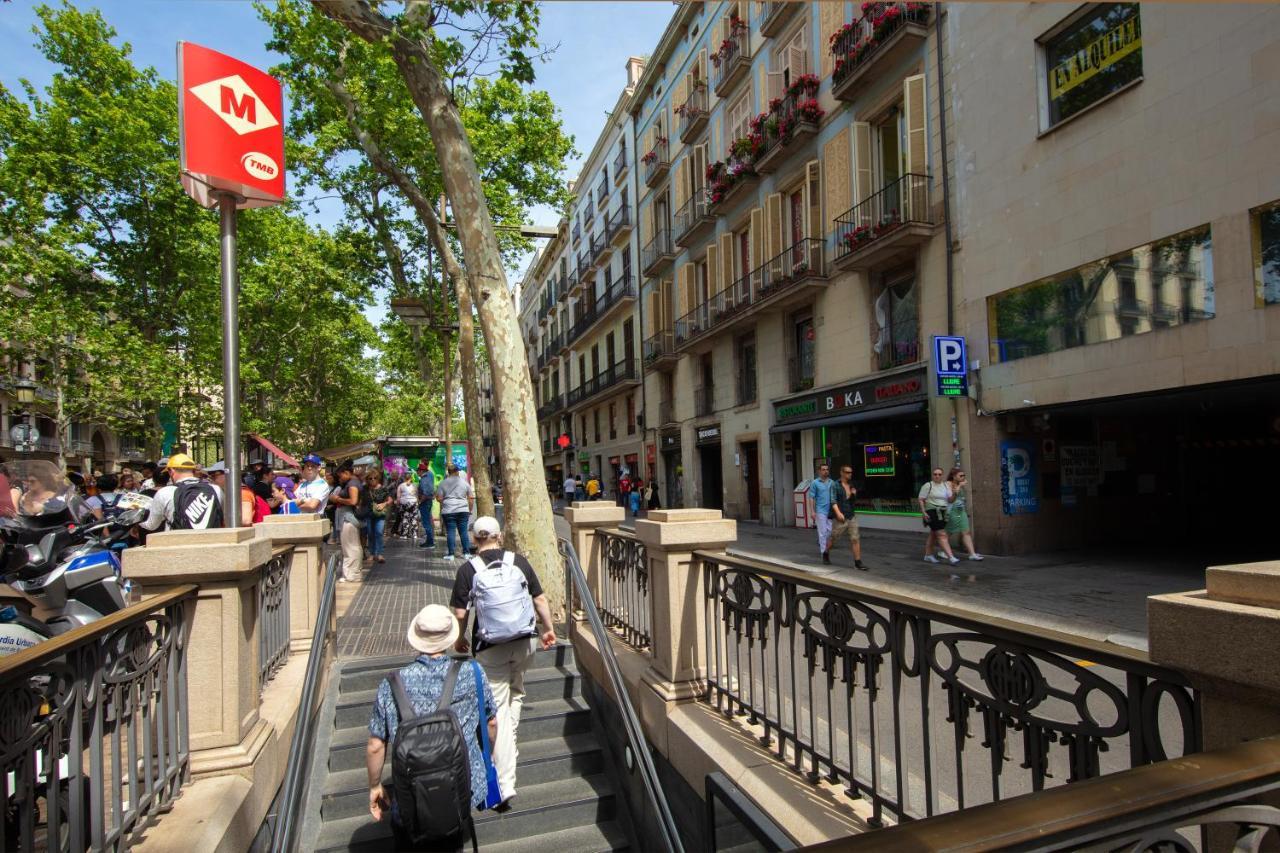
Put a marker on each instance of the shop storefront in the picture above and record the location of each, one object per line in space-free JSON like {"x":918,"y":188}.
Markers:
{"x":710,"y":467}
{"x":879,"y":427}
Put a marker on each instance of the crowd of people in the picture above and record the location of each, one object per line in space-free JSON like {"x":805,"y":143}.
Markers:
{"x":633,"y":494}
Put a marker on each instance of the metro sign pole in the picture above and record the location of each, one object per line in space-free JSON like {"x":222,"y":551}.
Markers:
{"x":230,"y":116}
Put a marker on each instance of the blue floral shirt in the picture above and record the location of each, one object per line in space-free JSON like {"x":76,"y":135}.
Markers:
{"x":424,"y":682}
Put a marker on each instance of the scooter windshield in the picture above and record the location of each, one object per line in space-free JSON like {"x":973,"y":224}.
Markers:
{"x":45,"y":496}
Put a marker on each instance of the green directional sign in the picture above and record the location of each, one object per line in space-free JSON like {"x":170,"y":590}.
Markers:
{"x":953,"y":386}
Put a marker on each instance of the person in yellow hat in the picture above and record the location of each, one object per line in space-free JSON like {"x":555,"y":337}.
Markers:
{"x":187,"y":503}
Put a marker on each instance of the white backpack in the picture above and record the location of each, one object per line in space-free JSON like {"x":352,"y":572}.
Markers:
{"x":500,"y":593}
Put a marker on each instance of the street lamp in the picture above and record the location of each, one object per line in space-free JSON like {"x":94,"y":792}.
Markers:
{"x":25,"y":390}
{"x":24,"y":435}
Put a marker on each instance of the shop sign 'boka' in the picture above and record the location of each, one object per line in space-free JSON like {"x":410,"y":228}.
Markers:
{"x":231,"y":117}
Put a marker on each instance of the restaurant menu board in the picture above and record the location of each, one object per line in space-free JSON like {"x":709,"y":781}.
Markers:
{"x":879,"y":460}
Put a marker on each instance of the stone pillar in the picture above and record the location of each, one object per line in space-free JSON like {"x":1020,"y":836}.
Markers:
{"x":306,"y":533}
{"x":585,"y":518}
{"x":1224,"y":639}
{"x":222,"y":653}
{"x":676,"y":591}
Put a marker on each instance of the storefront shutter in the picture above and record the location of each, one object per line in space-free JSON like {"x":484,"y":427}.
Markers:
{"x":862,"y":161}
{"x":913,"y":107}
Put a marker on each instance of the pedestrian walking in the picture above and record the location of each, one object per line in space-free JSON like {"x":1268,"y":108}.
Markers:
{"x":434,"y":682}
{"x":188,"y":503}
{"x":651,"y":500}
{"x":105,"y":503}
{"x":510,"y":605}
{"x":935,"y":499}
{"x":958,"y":516}
{"x":426,"y":498}
{"x":570,"y":489}
{"x":844,"y":521}
{"x":593,"y":487}
{"x":379,"y":500}
{"x":346,"y":496}
{"x":407,"y":506}
{"x":820,"y":495}
{"x":624,"y":490}
{"x":457,"y":500}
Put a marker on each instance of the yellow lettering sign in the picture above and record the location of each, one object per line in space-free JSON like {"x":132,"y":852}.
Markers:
{"x":1103,"y":52}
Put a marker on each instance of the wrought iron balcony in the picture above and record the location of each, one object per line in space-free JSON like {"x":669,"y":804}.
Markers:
{"x":792,"y":121}
{"x":799,"y":374}
{"x":783,"y":281}
{"x":602,"y":193}
{"x":657,"y":253}
{"x":550,"y":407}
{"x":577,"y":233}
{"x":704,"y":401}
{"x":666,"y":413}
{"x":656,"y":162}
{"x":776,"y":15}
{"x":590,"y":312}
{"x":693,"y":112}
{"x":887,"y":227}
{"x":660,"y":350}
{"x":586,"y":268}
{"x":863,"y":46}
{"x":601,"y":248}
{"x":619,"y":225}
{"x":733,"y":59}
{"x":620,"y":165}
{"x":693,"y":220}
{"x":616,"y":378}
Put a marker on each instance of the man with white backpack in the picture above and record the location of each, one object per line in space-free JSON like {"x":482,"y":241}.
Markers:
{"x":505,"y":592}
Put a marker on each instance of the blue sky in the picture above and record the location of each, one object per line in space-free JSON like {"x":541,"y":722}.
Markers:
{"x":584,"y":76}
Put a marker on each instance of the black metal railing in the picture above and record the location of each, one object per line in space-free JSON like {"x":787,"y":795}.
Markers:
{"x":657,"y":249}
{"x":692,"y":213}
{"x":550,"y":407}
{"x":602,"y":192}
{"x":656,"y":162}
{"x":843,"y":682}
{"x":600,"y":245}
{"x":577,"y":232}
{"x":799,"y":373}
{"x":624,"y":587}
{"x":294,"y":787}
{"x":578,"y":597}
{"x":273,"y":614}
{"x":96,"y":728}
{"x":660,"y":344}
{"x":620,"y":163}
{"x":590,"y":311}
{"x":619,"y":221}
{"x":621,"y":371}
{"x":704,"y":400}
{"x":732,"y":55}
{"x":784,"y":117}
{"x":859,"y":45}
{"x":903,"y":202}
{"x":798,"y":263}
{"x":693,"y":112}
{"x":897,"y":344}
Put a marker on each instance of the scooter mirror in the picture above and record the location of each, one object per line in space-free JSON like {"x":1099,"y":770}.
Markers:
{"x":131,"y":517}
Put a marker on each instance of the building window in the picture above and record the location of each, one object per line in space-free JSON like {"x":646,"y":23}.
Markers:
{"x":803,"y":352}
{"x":1158,"y":285}
{"x":895,"y":326}
{"x":1091,"y":56}
{"x":613,"y":421}
{"x":631,"y":414}
{"x":745,"y":353}
{"x":595,"y":421}
{"x":1266,"y":253}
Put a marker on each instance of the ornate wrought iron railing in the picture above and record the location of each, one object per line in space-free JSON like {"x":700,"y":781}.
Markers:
{"x":922,"y":709}
{"x":624,"y":587}
{"x":903,"y":202}
{"x":95,"y":736}
{"x":273,"y":614}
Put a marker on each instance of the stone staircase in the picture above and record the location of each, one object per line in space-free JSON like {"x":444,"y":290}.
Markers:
{"x":565,"y":803}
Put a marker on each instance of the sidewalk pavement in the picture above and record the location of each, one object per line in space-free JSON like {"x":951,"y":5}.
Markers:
{"x":1098,"y":594}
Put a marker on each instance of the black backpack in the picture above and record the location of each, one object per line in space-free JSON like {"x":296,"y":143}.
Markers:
{"x":364,"y":505}
{"x":196,"y":506}
{"x":431,"y":767}
{"x":110,"y":510}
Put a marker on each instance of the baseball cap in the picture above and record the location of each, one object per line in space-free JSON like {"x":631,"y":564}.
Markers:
{"x":181,"y":462}
{"x":312,"y":459}
{"x":487,"y":526}
{"x":216,"y":468}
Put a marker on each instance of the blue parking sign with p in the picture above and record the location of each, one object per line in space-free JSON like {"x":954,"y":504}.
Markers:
{"x":950,"y":365}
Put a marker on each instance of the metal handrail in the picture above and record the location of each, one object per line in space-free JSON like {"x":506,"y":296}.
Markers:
{"x":577,"y":579}
{"x":291,"y":796}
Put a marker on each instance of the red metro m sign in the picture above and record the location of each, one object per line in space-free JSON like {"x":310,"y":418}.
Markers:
{"x":232,"y":133}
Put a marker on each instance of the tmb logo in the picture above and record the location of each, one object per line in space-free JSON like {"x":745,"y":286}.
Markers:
{"x":260,"y":165}
{"x":237,"y":105}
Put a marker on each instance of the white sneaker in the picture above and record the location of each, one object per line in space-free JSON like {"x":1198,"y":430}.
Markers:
{"x":930,"y":559}
{"x":954,"y":561}
{"x":941,"y":555}
{"x":448,"y":557}
{"x":975,"y":556}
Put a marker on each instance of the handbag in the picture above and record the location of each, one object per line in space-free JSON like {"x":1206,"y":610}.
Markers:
{"x":493,"y":793}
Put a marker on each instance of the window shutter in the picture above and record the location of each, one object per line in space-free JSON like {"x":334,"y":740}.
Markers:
{"x":798,"y":60}
{"x":830,"y":16}
{"x":836,"y":177}
{"x":646,"y":225}
{"x":686,"y":289}
{"x":713,"y":270}
{"x":861,"y":162}
{"x":700,"y":168}
{"x":774,"y":85}
{"x":913,"y":106}
{"x":681,"y":184}
{"x":727,"y":273}
{"x":773,"y":233}
{"x":702,"y":66}
{"x":757,"y":237}
{"x":813,"y":200}
{"x":664,"y":305}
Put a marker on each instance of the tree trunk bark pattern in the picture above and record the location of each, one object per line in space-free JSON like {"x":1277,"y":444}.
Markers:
{"x":471,"y":400}
{"x":529,"y":522}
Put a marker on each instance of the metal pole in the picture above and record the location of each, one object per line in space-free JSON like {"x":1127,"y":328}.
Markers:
{"x":230,"y":359}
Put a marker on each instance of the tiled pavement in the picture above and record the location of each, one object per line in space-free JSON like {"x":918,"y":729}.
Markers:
{"x":375,"y":621}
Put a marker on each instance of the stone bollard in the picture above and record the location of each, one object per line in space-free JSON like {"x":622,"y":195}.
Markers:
{"x":670,"y":536}
{"x":226,"y":730}
{"x":1224,"y":639}
{"x":585,"y":518}
{"x":306,"y":533}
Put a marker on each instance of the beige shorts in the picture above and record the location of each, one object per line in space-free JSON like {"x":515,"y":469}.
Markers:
{"x":840,"y":528}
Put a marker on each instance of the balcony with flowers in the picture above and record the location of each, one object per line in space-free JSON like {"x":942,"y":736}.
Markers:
{"x":790,"y":121}
{"x":656,"y":162}
{"x":693,"y":112}
{"x":693,"y":219}
{"x":732,"y":59}
{"x":886,"y":228}
{"x":729,"y":180}
{"x":885,"y":34}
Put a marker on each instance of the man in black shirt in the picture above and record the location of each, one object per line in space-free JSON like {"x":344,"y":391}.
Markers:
{"x":843,"y":519}
{"x":504,"y":661}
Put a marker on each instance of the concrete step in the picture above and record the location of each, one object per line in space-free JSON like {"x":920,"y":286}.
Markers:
{"x":548,"y":808}
{"x":596,"y":838}
{"x":357,"y":681}
{"x":561,"y":656}
{"x":540,"y":686}
{"x":549,"y":760}
{"x":546,"y":718}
